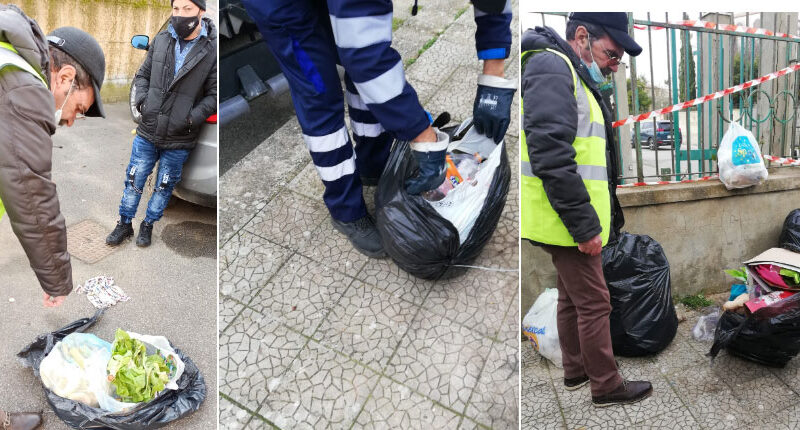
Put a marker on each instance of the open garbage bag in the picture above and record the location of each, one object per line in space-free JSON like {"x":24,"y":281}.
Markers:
{"x":769,"y":336}
{"x":167,"y":407}
{"x":790,"y":234}
{"x":739,"y":159}
{"x":541,"y":326}
{"x":643,"y":319}
{"x":427,"y":241}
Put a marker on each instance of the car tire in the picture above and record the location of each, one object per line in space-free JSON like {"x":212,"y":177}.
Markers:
{"x":135,"y":115}
{"x":652,"y":144}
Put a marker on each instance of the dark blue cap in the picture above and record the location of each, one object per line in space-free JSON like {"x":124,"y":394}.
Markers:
{"x":615,"y":24}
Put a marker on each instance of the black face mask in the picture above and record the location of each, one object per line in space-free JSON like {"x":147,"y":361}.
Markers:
{"x":185,"y":25}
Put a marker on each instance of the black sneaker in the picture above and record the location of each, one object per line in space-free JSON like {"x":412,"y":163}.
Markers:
{"x":627,"y":392}
{"x":363,"y":235}
{"x":121,"y":232}
{"x":572,"y":384}
{"x":145,"y":231}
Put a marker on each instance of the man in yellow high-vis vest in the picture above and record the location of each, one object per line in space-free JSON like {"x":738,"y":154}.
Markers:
{"x":568,"y":172}
{"x":45,"y":81}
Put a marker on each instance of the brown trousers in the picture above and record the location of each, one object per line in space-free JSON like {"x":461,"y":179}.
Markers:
{"x":583,"y":319}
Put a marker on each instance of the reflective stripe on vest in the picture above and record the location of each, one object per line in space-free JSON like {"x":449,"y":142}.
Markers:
{"x":9,"y":57}
{"x":539,"y":221}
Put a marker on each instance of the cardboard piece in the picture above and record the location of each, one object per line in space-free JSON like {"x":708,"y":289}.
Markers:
{"x":775,"y":256}
{"x":779,"y":257}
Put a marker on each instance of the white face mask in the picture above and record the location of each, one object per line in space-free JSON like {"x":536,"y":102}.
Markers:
{"x":59,"y":111}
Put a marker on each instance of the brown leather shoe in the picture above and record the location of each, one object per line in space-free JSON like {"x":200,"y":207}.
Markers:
{"x":572,"y":384}
{"x":627,"y":392}
{"x":20,"y":420}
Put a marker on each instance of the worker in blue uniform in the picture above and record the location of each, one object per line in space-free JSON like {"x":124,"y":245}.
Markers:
{"x":310,"y":37}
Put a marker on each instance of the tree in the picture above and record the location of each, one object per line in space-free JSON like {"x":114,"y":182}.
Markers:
{"x":643,"y":90}
{"x":737,"y":79}
{"x":686,"y":44}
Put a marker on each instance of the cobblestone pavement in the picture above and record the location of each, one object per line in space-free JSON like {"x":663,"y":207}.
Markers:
{"x":689,"y":392}
{"x":315,"y":335}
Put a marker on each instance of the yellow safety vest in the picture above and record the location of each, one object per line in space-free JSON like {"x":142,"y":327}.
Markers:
{"x":539,"y":220}
{"x":10,"y":58}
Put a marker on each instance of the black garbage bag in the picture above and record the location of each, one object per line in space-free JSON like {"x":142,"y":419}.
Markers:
{"x":643,"y":319}
{"x":790,"y":234}
{"x":770,"y":336}
{"x":415,"y":236}
{"x":172,"y":405}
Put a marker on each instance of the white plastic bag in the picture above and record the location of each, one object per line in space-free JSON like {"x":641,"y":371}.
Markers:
{"x":462,"y":205}
{"x":706,"y":326}
{"x":76,"y":368}
{"x":739,"y":159}
{"x":541,"y":326}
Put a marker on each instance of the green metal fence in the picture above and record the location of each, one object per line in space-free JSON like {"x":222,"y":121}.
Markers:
{"x":769,"y":110}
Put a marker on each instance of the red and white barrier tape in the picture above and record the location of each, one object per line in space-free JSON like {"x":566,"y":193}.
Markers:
{"x":781,"y":160}
{"x":713,"y":96}
{"x":774,"y":159}
{"x":695,"y":23}
{"x":685,"y":181}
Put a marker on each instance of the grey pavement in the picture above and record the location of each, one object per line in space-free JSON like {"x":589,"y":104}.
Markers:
{"x":315,"y":335}
{"x":689,"y":392}
{"x":171,"y":294}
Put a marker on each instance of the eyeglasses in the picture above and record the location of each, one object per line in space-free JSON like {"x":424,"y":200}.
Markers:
{"x":613,"y":58}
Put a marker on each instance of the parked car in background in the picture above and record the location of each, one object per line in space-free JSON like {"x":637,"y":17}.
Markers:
{"x":662,"y":136}
{"x":198,"y":183}
{"x":248,"y":70}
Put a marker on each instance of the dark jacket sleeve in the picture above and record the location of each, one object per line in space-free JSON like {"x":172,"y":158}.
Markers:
{"x":493,"y":28}
{"x":142,"y":79}
{"x":26,"y":187}
{"x":207,"y":105}
{"x":550,"y":124}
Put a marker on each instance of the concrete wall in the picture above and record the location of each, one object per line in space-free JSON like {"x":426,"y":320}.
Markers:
{"x":702,"y":227}
{"x":112,"y":23}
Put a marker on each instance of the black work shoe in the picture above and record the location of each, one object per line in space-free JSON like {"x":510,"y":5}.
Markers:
{"x":627,"y":392}
{"x":145,"y":231}
{"x":572,"y":384}
{"x":121,"y":232}
{"x":363,"y":235}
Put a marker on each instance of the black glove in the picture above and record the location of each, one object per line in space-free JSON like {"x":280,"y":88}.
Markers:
{"x":431,"y":159}
{"x":491,"y":112}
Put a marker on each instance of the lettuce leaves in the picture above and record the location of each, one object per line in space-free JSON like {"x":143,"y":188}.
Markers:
{"x":136,"y":376}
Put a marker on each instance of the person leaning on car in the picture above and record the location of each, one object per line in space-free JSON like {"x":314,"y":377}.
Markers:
{"x":568,"y":202}
{"x":45,"y":82}
{"x":176,"y":90}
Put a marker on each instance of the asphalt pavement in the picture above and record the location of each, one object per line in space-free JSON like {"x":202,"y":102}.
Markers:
{"x":172,"y":287}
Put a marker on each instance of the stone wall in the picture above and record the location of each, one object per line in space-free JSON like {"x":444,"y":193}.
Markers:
{"x":112,"y":23}
{"x":702,"y":227}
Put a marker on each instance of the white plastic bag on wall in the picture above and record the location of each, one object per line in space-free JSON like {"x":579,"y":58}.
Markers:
{"x":739,"y":159}
{"x":541,"y":326}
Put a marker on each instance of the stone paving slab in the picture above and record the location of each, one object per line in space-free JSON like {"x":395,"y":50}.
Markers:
{"x":315,"y":335}
{"x":689,"y":391}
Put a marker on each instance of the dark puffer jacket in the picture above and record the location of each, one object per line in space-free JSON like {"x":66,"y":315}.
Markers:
{"x":174,"y":107}
{"x":550,"y":123}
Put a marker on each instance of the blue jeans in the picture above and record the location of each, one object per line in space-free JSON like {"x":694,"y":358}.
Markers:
{"x":143,"y":157}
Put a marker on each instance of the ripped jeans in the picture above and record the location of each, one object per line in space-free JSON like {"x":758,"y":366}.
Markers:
{"x":143,"y":158}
